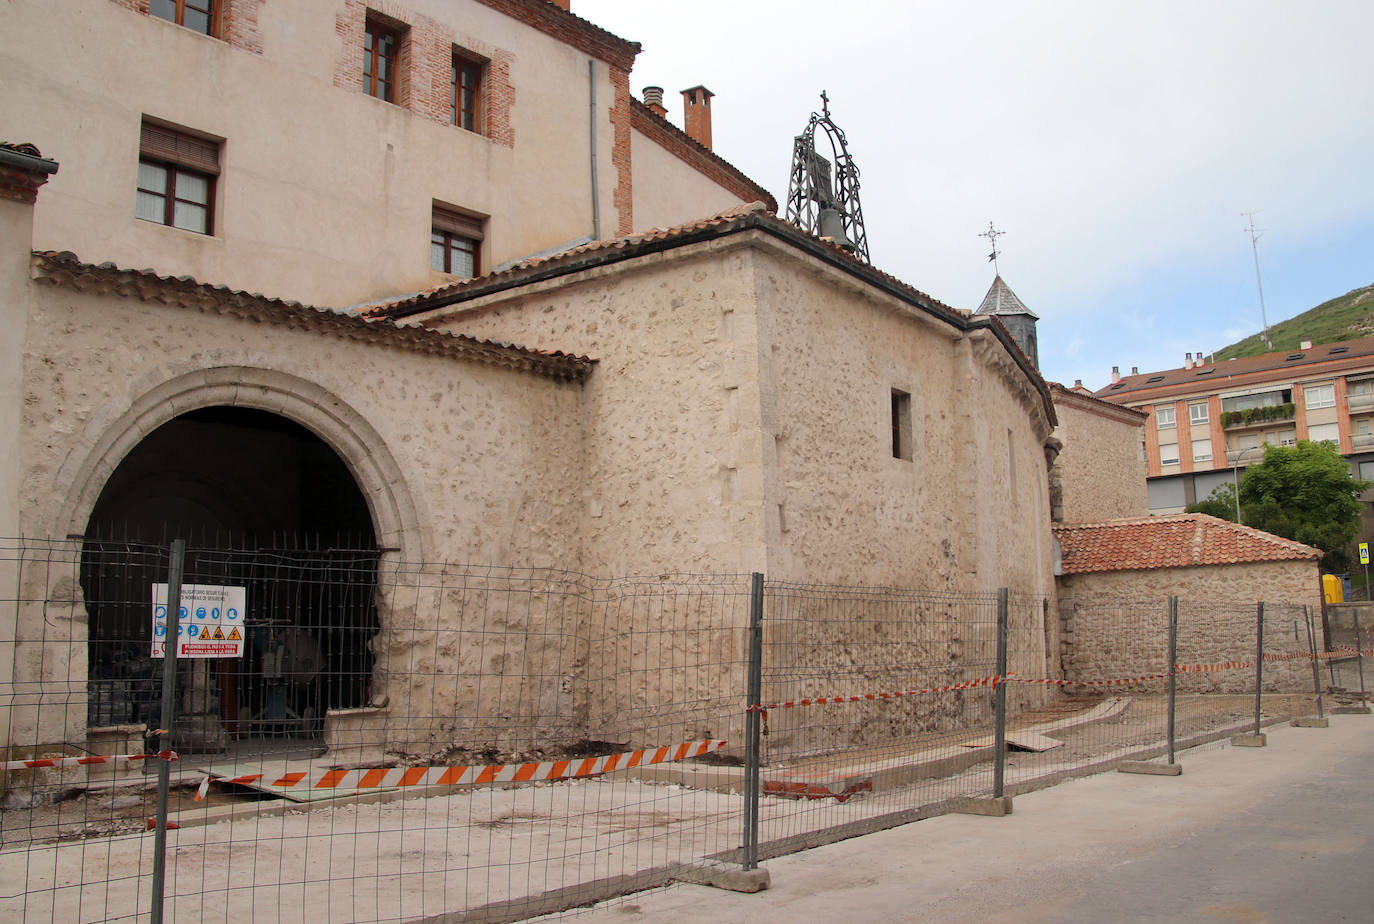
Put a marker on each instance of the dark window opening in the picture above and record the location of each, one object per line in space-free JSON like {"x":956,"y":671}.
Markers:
{"x":901,"y":425}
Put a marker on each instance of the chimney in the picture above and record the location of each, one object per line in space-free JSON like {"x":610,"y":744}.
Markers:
{"x":1187,"y":360}
{"x":696,"y":115}
{"x":653,"y":98}
{"x":1116,"y":374}
{"x":1135,"y":370}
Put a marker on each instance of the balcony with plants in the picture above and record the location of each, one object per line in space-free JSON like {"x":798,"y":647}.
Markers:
{"x":1253,"y":417}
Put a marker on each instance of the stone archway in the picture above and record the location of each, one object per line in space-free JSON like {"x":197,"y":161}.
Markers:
{"x":112,"y":436}
{"x":318,"y":650}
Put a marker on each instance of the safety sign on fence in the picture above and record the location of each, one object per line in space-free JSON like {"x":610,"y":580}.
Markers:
{"x":210,"y":622}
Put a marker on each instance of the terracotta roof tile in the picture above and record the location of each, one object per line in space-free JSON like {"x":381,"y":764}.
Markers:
{"x":1180,"y":541}
{"x":64,"y":268}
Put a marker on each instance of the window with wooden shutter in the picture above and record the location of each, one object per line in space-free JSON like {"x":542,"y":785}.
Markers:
{"x":455,"y":242}
{"x":177,"y":173}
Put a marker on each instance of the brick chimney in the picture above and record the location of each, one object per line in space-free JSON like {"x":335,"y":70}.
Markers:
{"x":696,"y":115}
{"x":653,"y":98}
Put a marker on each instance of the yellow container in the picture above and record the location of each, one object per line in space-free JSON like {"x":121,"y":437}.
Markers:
{"x":1331,"y":589}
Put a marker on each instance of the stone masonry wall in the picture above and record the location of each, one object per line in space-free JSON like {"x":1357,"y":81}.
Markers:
{"x":1114,"y":624}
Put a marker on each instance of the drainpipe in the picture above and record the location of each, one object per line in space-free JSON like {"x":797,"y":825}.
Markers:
{"x":591,"y":121}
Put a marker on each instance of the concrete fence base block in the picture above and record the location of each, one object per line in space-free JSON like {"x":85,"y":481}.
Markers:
{"x":1151,"y":769}
{"x":1249,"y":741}
{"x":720,"y":876}
{"x":1351,"y":710}
{"x":994,"y":807}
{"x":1311,"y":721}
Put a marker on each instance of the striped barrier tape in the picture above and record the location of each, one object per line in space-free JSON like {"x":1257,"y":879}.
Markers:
{"x":45,"y":762}
{"x":388,"y":777}
{"x":1213,"y":668}
{"x":1050,"y":681}
{"x":992,"y":681}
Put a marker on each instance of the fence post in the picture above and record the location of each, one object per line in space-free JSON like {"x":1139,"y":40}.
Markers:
{"x":1359,"y":654}
{"x":752,"y":722}
{"x":1173,"y":672}
{"x":1259,"y":661}
{"x":1316,"y":668}
{"x":999,"y":743}
{"x":169,"y":689}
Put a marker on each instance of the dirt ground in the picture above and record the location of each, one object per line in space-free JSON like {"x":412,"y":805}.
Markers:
{"x":88,"y":857}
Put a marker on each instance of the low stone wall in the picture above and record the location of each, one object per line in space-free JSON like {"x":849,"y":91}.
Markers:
{"x":1114,"y":625}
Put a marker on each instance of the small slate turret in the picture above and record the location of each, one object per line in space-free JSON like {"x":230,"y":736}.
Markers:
{"x":1019,"y":320}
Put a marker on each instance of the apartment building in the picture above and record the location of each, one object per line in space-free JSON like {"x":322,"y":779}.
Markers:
{"x":1208,"y":420}
{"x":336,"y":151}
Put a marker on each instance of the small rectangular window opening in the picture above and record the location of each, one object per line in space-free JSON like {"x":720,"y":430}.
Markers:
{"x":465,"y":92}
{"x":455,"y":243}
{"x":177,"y":172}
{"x":901,"y":425}
{"x":381,"y":57}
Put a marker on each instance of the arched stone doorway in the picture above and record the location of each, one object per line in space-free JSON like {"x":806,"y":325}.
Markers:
{"x":264,"y":503}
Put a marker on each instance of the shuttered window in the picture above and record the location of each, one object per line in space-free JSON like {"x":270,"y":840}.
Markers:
{"x":455,"y":243}
{"x":176,"y":179}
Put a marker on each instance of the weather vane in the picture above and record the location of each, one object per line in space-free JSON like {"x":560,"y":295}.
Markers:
{"x":992,"y":234}
{"x":819,"y":203}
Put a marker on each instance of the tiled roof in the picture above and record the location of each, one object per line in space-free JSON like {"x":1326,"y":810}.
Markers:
{"x":753,"y":215}
{"x":597,"y":253}
{"x":1082,"y":398}
{"x":1211,"y":376}
{"x":1002,"y":300}
{"x":65,"y":269}
{"x":1184,"y":540}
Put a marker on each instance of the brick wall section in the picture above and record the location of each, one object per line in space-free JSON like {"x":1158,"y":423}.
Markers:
{"x":676,"y":142}
{"x":238,"y":21}
{"x":623,"y":195}
{"x":424,"y":67}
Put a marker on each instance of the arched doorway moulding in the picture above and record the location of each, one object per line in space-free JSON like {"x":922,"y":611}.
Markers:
{"x":112,"y":433}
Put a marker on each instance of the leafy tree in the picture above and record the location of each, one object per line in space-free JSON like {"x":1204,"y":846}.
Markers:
{"x":1221,"y":503}
{"x":1306,"y":493}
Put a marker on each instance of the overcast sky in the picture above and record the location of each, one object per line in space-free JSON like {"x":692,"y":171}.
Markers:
{"x":1116,"y":144}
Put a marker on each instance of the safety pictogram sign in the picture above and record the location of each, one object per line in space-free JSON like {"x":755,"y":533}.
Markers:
{"x":209,"y":623}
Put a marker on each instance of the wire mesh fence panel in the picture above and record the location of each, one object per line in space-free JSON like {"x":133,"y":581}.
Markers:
{"x":876,"y":703}
{"x":374,"y":740}
{"x":1113,"y":691}
{"x":1287,"y":689}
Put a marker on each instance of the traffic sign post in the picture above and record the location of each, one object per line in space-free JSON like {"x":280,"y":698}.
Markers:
{"x":1364,"y":560}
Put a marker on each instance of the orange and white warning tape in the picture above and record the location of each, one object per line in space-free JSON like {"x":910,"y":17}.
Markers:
{"x":992,"y":681}
{"x":388,"y":777}
{"x":1213,"y":668}
{"x":45,"y":762}
{"x":1121,"y":681}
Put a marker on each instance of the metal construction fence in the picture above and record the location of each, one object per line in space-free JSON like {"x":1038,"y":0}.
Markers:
{"x":338,"y":736}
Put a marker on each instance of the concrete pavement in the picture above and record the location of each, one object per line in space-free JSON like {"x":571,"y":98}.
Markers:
{"x":1274,"y":834}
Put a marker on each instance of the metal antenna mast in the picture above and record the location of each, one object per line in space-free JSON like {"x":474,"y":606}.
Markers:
{"x":830,"y":211}
{"x":1254,"y":249}
{"x":992,"y":234}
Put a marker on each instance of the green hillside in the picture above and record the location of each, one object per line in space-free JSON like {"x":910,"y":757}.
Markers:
{"x":1344,"y":318}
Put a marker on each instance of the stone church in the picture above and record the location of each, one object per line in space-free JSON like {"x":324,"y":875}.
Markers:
{"x":513,"y":315}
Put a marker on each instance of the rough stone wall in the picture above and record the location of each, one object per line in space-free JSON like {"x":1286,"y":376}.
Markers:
{"x":484,"y":458}
{"x":1114,"y":624}
{"x":1099,"y":469}
{"x":739,"y":420}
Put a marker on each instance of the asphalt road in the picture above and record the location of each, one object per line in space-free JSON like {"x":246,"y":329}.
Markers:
{"x":1278,"y":834}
